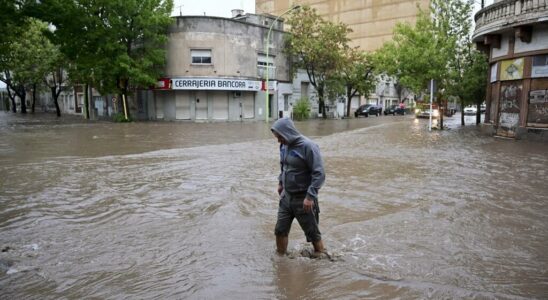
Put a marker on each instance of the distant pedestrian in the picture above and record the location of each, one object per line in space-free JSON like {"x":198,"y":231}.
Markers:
{"x":301,"y":177}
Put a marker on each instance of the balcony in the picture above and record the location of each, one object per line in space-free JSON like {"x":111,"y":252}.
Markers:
{"x":507,"y":14}
{"x":262,"y":71}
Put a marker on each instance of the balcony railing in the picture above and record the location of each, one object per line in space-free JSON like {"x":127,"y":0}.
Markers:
{"x":509,"y":13}
{"x":261,"y":72}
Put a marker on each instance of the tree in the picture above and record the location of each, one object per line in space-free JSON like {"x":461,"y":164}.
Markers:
{"x":430,"y":49}
{"x":319,"y":48}
{"x":10,"y":28}
{"x":357,"y":75}
{"x":55,"y":77}
{"x":23,"y":60}
{"x":417,"y":55}
{"x":468,"y":66}
{"x":414,"y":56}
{"x":470,"y":73}
{"x":116,"y":46}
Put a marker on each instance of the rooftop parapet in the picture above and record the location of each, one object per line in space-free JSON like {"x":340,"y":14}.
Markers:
{"x":508,"y":14}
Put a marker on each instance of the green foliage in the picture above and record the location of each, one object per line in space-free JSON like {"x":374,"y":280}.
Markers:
{"x":428,"y":49}
{"x":120,"y":118}
{"x":24,"y":57}
{"x":319,"y":48}
{"x":357,"y":76}
{"x":437,"y":47}
{"x":12,"y":16}
{"x":416,"y":54}
{"x":114,"y":45}
{"x":474,"y":79}
{"x":301,"y":109}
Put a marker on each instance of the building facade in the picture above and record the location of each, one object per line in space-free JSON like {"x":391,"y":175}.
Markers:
{"x":216,"y":70}
{"x":514,"y":34}
{"x":372,"y":23}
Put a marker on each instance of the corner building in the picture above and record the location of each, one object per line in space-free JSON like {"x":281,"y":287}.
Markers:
{"x":216,"y":67}
{"x":514,"y":34}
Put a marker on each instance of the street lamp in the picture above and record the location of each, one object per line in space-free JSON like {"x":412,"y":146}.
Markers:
{"x":267,"y":62}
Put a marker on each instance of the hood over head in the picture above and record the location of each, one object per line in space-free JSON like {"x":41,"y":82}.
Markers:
{"x":285,"y":128}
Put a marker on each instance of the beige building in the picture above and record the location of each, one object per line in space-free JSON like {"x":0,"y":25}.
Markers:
{"x":216,"y":70}
{"x":372,"y":21}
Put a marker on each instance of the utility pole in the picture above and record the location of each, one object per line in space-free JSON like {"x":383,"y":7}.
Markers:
{"x":267,"y":46}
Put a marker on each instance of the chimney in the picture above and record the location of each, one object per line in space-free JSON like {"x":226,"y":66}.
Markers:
{"x":237,"y":13}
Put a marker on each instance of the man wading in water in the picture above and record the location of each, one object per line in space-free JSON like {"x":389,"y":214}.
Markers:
{"x":301,"y":177}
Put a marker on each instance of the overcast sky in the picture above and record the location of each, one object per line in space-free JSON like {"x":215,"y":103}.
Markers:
{"x":219,"y":8}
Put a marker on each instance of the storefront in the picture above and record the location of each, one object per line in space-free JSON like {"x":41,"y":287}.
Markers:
{"x":216,"y":70}
{"x":209,"y":99}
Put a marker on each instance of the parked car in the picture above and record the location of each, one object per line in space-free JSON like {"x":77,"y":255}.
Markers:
{"x":470,"y":110}
{"x":393,"y":110}
{"x":368,"y":109}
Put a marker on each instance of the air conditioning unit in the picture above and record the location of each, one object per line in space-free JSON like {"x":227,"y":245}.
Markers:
{"x":237,"y":94}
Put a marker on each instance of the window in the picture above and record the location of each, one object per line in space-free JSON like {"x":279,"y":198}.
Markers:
{"x":201,"y":56}
{"x":265,"y":61}
{"x":266,"y":64}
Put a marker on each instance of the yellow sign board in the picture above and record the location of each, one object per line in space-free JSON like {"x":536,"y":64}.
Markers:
{"x":512,"y":69}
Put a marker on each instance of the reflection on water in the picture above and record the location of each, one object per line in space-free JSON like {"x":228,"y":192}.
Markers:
{"x":184,"y":210}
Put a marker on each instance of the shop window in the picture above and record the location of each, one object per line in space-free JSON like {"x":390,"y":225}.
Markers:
{"x":201,"y":57}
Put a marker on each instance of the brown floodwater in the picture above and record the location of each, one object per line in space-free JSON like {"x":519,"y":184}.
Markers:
{"x":180,"y":210}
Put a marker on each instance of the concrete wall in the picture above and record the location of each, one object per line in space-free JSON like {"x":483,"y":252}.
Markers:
{"x":235,"y":47}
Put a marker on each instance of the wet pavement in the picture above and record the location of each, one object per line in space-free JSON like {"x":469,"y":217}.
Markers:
{"x":186,"y":211}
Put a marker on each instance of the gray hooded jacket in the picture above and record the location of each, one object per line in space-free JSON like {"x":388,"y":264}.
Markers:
{"x":301,"y":163}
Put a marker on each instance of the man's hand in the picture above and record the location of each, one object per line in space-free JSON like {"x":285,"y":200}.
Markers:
{"x":280,"y":188}
{"x":308,"y":205}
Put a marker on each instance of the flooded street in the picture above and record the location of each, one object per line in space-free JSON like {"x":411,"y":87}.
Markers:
{"x":187,"y":211}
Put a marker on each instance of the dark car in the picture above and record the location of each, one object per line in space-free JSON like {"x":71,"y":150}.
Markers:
{"x":394,"y":109}
{"x":367,"y":109}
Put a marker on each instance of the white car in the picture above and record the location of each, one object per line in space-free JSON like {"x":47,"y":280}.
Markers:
{"x":470,"y":110}
{"x":425,"y":113}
